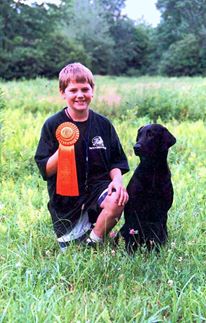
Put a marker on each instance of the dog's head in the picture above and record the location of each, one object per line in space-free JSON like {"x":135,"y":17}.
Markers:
{"x":153,"y":139}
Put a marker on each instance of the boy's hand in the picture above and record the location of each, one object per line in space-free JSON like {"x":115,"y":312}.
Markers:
{"x":117,"y":185}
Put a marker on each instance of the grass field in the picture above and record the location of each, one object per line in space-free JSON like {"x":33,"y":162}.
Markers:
{"x":40,"y":284}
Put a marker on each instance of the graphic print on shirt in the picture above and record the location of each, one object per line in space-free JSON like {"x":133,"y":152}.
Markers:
{"x":98,"y":143}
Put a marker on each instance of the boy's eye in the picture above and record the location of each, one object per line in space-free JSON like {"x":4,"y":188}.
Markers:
{"x":84,"y":90}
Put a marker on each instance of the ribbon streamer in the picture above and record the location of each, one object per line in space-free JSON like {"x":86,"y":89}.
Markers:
{"x":67,"y":135}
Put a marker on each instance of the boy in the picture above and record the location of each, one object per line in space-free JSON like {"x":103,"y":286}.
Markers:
{"x":99,"y":195}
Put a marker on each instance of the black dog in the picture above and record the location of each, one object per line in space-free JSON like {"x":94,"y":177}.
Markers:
{"x":150,"y":190}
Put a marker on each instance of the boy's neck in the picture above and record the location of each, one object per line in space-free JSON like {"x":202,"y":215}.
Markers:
{"x":77,"y":116}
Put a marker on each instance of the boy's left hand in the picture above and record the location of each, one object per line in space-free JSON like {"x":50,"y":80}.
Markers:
{"x":117,"y":186}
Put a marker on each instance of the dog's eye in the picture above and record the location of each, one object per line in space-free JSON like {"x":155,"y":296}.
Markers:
{"x":149,"y":133}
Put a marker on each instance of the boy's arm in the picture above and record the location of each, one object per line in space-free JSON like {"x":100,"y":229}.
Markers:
{"x":51,"y":166}
{"x":117,"y":184}
{"x":46,"y":149}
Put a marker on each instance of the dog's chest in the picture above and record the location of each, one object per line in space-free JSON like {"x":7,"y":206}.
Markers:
{"x":152,"y":182}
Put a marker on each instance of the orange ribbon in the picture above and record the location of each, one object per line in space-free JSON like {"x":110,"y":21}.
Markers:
{"x":67,"y":135}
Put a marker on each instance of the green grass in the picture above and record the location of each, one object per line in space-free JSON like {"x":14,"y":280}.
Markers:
{"x":40,"y":284}
{"x":167,"y":98}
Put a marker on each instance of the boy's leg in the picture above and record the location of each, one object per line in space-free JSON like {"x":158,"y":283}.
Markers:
{"x":108,"y":217}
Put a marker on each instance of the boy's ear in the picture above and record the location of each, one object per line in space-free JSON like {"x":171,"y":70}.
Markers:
{"x":62,"y":94}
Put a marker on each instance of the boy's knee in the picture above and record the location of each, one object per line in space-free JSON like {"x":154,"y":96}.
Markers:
{"x":110,"y":205}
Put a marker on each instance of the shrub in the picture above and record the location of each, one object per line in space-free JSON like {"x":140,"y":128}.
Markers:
{"x":2,"y":101}
{"x":182,"y":58}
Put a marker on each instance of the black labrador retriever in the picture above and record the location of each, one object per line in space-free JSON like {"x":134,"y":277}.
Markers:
{"x":150,"y":190}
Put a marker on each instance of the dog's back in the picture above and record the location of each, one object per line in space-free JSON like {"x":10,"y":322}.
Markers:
{"x":150,"y":190}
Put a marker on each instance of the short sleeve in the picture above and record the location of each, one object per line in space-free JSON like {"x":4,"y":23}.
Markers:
{"x":118,"y":157}
{"x":47,"y":146}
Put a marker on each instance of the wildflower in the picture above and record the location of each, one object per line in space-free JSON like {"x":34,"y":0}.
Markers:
{"x":180,"y":259}
{"x":133,"y":231}
{"x":173,"y":244}
{"x":170,"y":282}
{"x":18,"y":265}
{"x":190,"y":243}
{"x":112,"y":234}
{"x":113,"y":252}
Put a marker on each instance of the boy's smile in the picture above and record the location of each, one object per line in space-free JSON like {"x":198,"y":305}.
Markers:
{"x":78,"y":97}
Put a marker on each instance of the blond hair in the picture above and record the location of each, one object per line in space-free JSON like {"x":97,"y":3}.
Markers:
{"x":75,"y":72}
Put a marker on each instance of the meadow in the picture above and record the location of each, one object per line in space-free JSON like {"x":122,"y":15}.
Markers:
{"x":38,"y":283}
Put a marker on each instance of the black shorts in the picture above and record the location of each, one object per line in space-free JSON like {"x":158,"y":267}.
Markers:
{"x":66,"y":216}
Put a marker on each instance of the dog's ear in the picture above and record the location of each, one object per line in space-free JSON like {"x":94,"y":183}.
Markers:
{"x":138,"y":131}
{"x":168,"y":139}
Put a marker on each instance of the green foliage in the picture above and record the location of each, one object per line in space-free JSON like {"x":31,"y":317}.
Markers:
{"x":27,"y":32}
{"x":2,"y":101}
{"x":22,"y":62}
{"x":182,"y":57}
{"x":58,"y":52}
{"x":41,"y":284}
{"x":131,"y":44}
{"x":181,"y":34}
{"x":182,"y":17}
{"x":40,"y":40}
{"x":114,"y":44}
{"x":164,"y":98}
{"x":112,"y":9}
{"x":92,"y":33}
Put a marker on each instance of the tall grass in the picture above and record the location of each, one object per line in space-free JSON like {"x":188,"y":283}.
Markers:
{"x":37,"y":282}
{"x":165,"y":98}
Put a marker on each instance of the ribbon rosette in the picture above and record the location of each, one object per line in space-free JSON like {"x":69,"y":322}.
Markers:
{"x":67,"y":135}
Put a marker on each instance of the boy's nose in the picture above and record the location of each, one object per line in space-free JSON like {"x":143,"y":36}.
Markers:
{"x":79,"y":94}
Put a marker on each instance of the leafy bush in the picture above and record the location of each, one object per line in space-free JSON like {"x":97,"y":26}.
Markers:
{"x":43,"y":59}
{"x":182,"y":58}
{"x":2,"y":101}
{"x":164,"y":98}
{"x":168,"y":104}
{"x":58,"y":52}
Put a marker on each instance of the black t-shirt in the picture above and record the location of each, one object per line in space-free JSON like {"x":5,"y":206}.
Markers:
{"x":98,"y":141}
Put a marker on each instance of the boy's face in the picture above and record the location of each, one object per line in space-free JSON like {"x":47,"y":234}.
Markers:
{"x":78,"y":96}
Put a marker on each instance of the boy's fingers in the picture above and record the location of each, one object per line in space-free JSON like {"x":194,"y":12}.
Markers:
{"x":126,"y":198}
{"x":109,"y":190}
{"x":122,"y":198}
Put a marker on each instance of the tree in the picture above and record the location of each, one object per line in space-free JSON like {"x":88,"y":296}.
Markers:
{"x":112,"y":9}
{"x":32,"y":43}
{"x":183,"y":16}
{"x":130,"y":50}
{"x":23,"y":28}
{"x":182,"y":58}
{"x":179,"y":19}
{"x":59,"y":51}
{"x":88,"y":27}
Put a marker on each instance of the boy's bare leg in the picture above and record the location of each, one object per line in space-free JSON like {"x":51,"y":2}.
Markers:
{"x":109,"y":216}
